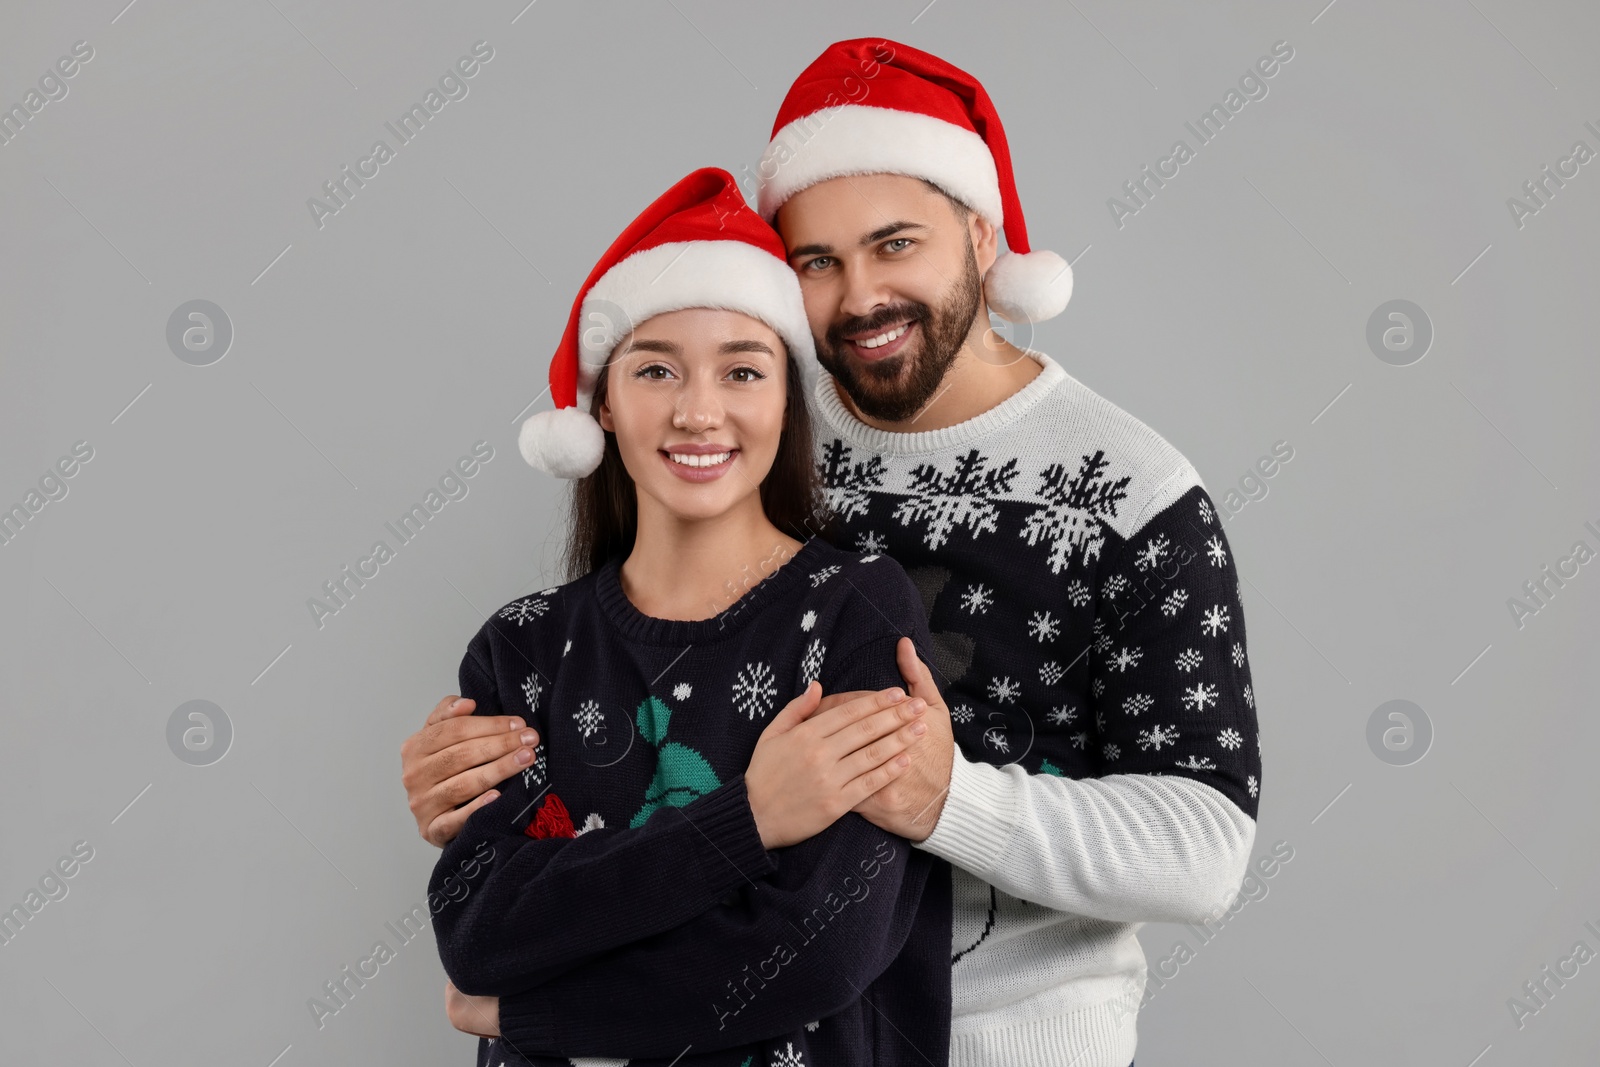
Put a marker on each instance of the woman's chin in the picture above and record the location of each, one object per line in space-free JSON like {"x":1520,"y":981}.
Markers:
{"x":695,"y":502}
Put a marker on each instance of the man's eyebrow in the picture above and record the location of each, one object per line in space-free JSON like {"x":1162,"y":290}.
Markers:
{"x":647,"y":344}
{"x":872,"y":238}
{"x":731,"y":347}
{"x":889,"y":231}
{"x":811,"y":250}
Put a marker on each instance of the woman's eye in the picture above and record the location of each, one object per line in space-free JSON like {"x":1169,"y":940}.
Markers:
{"x":655,"y":372}
{"x":753,"y":374}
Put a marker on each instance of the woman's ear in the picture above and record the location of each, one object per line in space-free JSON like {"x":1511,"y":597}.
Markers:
{"x":603,"y":417}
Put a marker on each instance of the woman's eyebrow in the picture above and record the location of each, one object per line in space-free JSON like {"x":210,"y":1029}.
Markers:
{"x":730,"y":347}
{"x":650,"y":344}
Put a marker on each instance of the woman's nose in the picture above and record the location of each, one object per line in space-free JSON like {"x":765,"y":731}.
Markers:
{"x":695,"y":411}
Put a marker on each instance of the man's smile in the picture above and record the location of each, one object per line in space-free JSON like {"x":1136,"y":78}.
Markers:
{"x":881,"y":344}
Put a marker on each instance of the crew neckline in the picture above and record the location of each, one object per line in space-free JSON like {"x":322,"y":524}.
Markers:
{"x":638,"y":626}
{"x":1009,"y":410}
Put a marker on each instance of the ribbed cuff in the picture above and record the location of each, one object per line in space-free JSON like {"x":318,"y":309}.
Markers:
{"x":729,"y":842}
{"x":529,"y":1026}
{"x":978,"y":816}
{"x":1105,"y":1035}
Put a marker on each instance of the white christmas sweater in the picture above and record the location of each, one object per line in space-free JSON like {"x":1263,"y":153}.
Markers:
{"x":1090,"y":643}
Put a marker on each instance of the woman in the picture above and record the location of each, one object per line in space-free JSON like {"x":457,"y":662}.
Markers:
{"x":653,"y":889}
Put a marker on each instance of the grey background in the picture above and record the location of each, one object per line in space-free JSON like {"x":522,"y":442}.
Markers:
{"x":370,"y":354}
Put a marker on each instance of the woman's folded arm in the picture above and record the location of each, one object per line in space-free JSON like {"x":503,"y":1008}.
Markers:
{"x":540,"y":906}
{"x":792,"y":948}
{"x":788,"y":950}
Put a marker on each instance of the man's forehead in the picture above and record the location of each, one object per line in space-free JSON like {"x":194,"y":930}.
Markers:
{"x":855,"y":209}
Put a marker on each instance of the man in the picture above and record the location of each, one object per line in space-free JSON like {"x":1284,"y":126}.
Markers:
{"x":1088,"y":639}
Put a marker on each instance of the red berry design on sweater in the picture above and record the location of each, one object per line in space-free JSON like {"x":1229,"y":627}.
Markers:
{"x":552,"y":820}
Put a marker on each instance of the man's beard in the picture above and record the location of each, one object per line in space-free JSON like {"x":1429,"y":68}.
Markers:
{"x":881,"y":389}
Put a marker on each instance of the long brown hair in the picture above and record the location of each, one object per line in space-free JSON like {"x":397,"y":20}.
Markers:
{"x":605,"y":507}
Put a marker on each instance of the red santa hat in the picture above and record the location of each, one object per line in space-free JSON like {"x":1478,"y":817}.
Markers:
{"x":871,"y":106}
{"x":698,"y":246}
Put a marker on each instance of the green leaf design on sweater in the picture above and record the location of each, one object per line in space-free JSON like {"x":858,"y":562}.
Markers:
{"x":1046,"y":767}
{"x":653,"y":716}
{"x":682,"y":775}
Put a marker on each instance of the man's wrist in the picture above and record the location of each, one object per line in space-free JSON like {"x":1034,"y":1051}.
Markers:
{"x":977,"y":817}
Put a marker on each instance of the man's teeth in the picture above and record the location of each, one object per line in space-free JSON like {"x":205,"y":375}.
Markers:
{"x":690,"y":459}
{"x":884,"y":338}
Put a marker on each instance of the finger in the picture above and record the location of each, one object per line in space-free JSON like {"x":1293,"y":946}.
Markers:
{"x":475,"y":752}
{"x":797,"y":710}
{"x":851,"y":711}
{"x":462,"y":787}
{"x":900,"y":737}
{"x":447,"y":827}
{"x":833,"y":700}
{"x":447,"y":790}
{"x":874,"y":779}
{"x":912,"y":669}
{"x":451,"y":705}
{"x":880,"y":724}
{"x":456,"y":729}
{"x":422,"y":772}
{"x":807,"y":703}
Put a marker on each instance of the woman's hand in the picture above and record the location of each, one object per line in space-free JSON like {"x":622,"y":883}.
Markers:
{"x":472,"y":1015}
{"x":810,"y":767}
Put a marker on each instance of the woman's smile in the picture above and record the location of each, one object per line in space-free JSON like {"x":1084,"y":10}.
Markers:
{"x":699,"y":463}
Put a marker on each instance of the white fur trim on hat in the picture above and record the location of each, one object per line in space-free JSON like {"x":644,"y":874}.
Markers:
{"x":855,"y":139}
{"x":731,"y":275}
{"x":1028,"y":288}
{"x":565,"y":442}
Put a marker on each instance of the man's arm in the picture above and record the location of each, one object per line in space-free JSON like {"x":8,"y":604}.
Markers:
{"x":1165,"y":833}
{"x":1124,"y":848}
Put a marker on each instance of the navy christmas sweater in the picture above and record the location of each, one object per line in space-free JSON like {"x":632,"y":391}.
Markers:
{"x":629,"y":909}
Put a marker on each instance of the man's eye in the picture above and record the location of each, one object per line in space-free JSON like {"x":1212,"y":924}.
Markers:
{"x":820,"y":263}
{"x":898,"y":244}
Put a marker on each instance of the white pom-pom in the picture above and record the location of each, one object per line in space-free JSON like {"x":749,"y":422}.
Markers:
{"x":565,"y":442}
{"x":1028,"y":288}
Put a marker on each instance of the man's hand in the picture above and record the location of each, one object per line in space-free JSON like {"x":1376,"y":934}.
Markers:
{"x":458,"y":757}
{"x":810,"y":767}
{"x":910,"y":804}
{"x":472,"y":1015}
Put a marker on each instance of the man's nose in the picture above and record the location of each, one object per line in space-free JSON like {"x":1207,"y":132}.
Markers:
{"x":864,"y":292}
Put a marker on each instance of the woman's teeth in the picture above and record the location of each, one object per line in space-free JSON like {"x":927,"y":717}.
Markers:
{"x":690,"y":459}
{"x":884,"y":338}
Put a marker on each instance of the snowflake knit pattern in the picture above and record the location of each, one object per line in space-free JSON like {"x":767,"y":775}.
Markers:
{"x":629,"y":909}
{"x":1085,"y":620}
